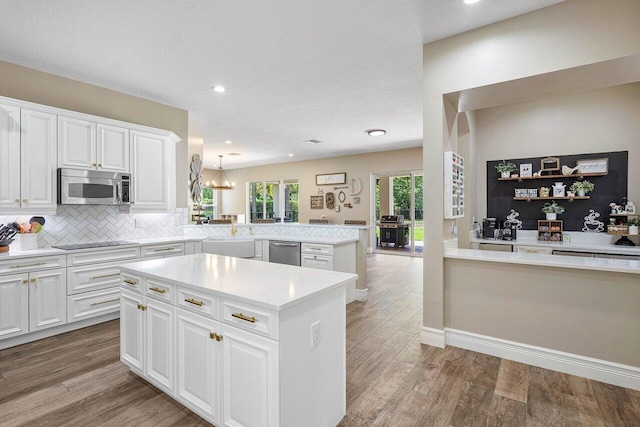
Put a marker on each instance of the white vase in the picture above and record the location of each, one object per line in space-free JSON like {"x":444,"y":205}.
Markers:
{"x":552,"y":216}
{"x":505,"y":174}
{"x":633,"y":230}
{"x":580,"y":193}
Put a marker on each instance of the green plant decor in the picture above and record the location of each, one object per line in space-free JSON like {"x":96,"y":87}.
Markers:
{"x":552,"y":208}
{"x":505,"y":166}
{"x":585,"y":186}
{"x":634,"y":221}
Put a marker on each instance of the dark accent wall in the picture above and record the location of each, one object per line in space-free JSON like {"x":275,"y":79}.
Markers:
{"x":609,"y":188}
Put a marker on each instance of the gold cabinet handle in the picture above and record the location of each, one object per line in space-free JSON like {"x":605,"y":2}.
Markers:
{"x":158,"y":290}
{"x":194,"y":302}
{"x":93,"y":164}
{"x":28,"y":265}
{"x":131,"y":282}
{"x":25,"y":281}
{"x":99,"y":165}
{"x":163,"y":249}
{"x":25,"y":200}
{"x":104,"y":302}
{"x":218,"y":337}
{"x":142,"y":307}
{"x":241,"y":316}
{"x":33,"y":280}
{"x":17,"y":200}
{"x":215,"y":336}
{"x":103,"y":276}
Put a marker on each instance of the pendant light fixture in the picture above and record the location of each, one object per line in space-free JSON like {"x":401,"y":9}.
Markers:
{"x":220,"y":180}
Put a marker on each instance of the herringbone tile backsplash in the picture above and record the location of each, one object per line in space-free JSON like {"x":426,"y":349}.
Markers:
{"x":83,"y":224}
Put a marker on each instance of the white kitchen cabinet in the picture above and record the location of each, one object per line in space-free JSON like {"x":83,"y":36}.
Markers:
{"x":159,"y":343}
{"x":317,"y":261}
{"x":249,"y":378}
{"x":153,"y":170}
{"x":198,"y":364}
{"x":85,"y":144}
{"x":164,"y":250}
{"x":14,"y":305}
{"x":339,"y":257}
{"x":533,"y":250}
{"x":38,"y":161}
{"x":9,"y":157}
{"x":47,"y":299}
{"x":132,"y":330}
{"x":92,"y":304}
{"x":91,"y":278}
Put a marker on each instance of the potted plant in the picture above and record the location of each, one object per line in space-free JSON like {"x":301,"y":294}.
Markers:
{"x":505,"y":168}
{"x":633,"y":223}
{"x":552,"y":210}
{"x":582,"y":187}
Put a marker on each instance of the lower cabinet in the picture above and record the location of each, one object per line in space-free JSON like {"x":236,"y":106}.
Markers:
{"x":132,"y":330}
{"x":14,"y":305}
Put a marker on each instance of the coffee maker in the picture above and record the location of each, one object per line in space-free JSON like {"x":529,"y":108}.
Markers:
{"x":489,"y":228}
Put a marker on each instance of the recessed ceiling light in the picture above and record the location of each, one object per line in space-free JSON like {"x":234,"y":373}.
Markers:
{"x":228,"y":142}
{"x":377,"y":132}
{"x":313,"y":141}
{"x":470,"y":1}
{"x":218,"y":88}
{"x":290,"y":155}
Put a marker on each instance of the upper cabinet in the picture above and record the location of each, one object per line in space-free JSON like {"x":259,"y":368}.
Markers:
{"x":84,"y":144}
{"x":27,"y":161}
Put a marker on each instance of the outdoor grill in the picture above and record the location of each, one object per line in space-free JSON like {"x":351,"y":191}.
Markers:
{"x":393,"y":230}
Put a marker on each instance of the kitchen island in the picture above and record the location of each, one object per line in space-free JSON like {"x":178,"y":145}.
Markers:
{"x":239,"y":342}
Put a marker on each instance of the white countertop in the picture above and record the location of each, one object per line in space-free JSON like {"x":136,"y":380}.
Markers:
{"x":269,"y":285}
{"x":597,"y":247}
{"x":583,"y":263}
{"x":301,"y":239}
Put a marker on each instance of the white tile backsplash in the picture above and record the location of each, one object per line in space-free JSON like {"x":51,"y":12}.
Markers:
{"x":84,"y":224}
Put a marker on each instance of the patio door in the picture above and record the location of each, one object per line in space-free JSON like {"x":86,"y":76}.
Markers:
{"x":400,"y":193}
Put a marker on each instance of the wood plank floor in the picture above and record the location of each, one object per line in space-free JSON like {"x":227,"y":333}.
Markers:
{"x":76,"y":379}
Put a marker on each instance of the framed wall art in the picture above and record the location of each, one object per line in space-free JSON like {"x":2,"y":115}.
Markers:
{"x":331,"y":178}
{"x":317,"y":202}
{"x":593,"y":166}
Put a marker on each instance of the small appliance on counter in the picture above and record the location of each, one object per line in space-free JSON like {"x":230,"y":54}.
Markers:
{"x":489,"y":226}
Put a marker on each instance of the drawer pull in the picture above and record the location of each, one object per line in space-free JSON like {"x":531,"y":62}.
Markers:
{"x":163,"y":249}
{"x":241,"y":316}
{"x":215,"y":336}
{"x":28,"y":265}
{"x":158,"y":290}
{"x":131,"y":282}
{"x":104,"y":302}
{"x":315,"y":249}
{"x":103,"y":276}
{"x":194,"y":302}
{"x":142,"y":307}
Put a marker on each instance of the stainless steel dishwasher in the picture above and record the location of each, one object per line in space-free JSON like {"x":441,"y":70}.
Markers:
{"x":284,"y":252}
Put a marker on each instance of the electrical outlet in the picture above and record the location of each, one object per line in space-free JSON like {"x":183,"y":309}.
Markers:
{"x":315,"y":334}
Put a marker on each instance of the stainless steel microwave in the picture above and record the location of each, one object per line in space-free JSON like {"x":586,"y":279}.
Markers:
{"x":86,"y":187}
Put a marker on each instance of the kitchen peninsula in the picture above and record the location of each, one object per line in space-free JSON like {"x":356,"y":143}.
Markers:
{"x":240,"y":342}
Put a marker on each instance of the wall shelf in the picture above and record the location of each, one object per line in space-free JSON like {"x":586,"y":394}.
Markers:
{"x":571,"y":199}
{"x":524,"y":178}
{"x":453,"y":185}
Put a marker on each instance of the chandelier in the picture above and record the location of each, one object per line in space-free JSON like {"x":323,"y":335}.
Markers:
{"x":220,"y":180}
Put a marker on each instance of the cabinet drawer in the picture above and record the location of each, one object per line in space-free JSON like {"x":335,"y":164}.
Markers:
{"x":532,"y":250}
{"x":207,"y":305}
{"x":246,"y":316}
{"x":131,"y":282}
{"x":32,"y":264}
{"x":316,"y":248}
{"x":107,"y":255}
{"x":317,"y":261}
{"x":92,"y":304}
{"x":167,"y":249}
{"x":84,"y":279}
{"x":159,"y":290}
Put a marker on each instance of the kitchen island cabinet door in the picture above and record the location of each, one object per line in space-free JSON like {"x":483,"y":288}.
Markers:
{"x":9,"y":157}
{"x":132,"y":330}
{"x":198,"y":376}
{"x":249,"y":378}
{"x":14,"y":305}
{"x":159,"y":344}
{"x":38,"y":163}
{"x":47,"y":299}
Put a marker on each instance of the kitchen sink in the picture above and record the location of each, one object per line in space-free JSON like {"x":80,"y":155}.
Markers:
{"x":231,"y":246}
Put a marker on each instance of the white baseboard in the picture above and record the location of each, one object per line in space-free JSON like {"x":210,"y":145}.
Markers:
{"x":568,"y":363}
{"x":431,"y":336}
{"x":362,"y":294}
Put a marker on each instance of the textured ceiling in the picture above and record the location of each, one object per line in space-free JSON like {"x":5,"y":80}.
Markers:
{"x":293,"y":69}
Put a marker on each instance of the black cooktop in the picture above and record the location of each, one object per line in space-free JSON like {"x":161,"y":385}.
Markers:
{"x":93,"y":245}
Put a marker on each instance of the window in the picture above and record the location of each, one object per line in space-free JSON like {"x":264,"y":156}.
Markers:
{"x":276,"y":200}
{"x":210,"y":203}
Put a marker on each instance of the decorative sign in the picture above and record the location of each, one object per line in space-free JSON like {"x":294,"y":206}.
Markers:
{"x":513,"y":221}
{"x":331,"y":178}
{"x":526,"y":169}
{"x":317,"y":202}
{"x":330,"y":200}
{"x":592,"y":224}
{"x":550,"y":164}
{"x":593,"y":166}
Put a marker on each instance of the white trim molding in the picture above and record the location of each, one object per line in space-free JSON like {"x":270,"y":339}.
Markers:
{"x":568,"y":363}
{"x":432,"y":336}
{"x":362,"y":294}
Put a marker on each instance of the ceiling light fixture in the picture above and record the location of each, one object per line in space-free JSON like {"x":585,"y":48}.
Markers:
{"x":220,"y":177}
{"x":228,"y":142}
{"x":218,"y":88}
{"x":290,"y":155}
{"x":377,"y":132}
{"x":313,"y":141}
{"x":470,"y":1}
